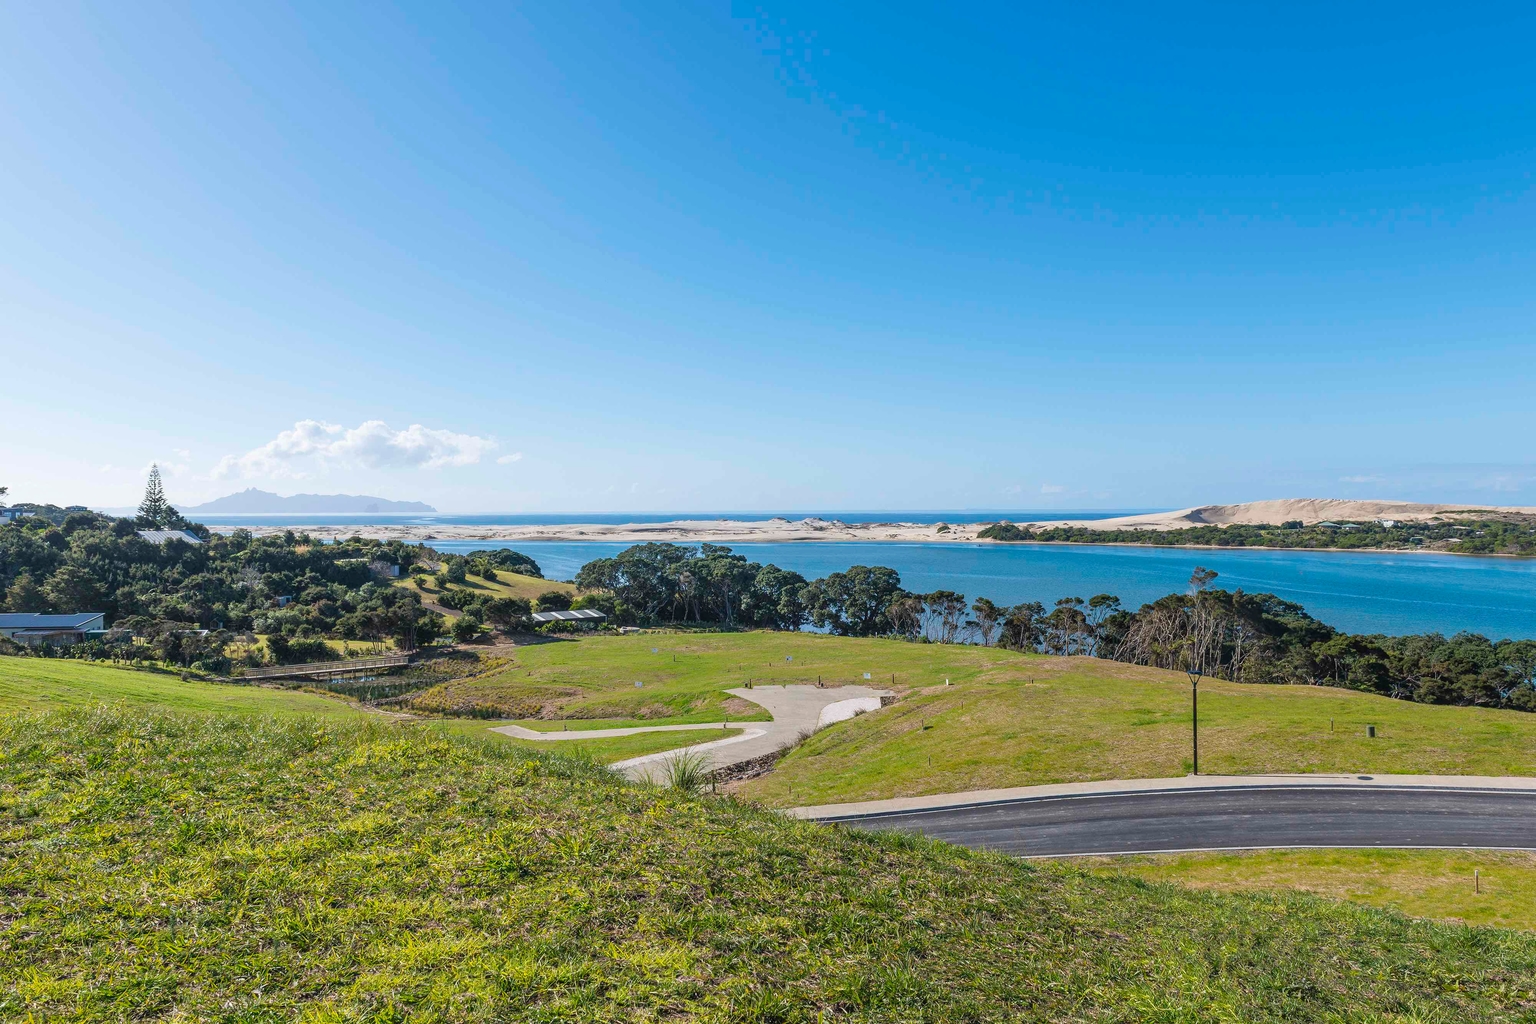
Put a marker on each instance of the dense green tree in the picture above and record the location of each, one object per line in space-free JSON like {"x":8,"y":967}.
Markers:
{"x":855,"y":602}
{"x":508,"y":613}
{"x":553,"y":601}
{"x":24,"y":595}
{"x":73,"y":589}
{"x":773,"y":599}
{"x":466,"y":627}
{"x":506,"y":558}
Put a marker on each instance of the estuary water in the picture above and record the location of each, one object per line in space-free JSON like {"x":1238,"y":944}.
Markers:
{"x":1362,"y":592}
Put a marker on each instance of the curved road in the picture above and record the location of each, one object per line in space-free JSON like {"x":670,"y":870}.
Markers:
{"x":1229,"y":818}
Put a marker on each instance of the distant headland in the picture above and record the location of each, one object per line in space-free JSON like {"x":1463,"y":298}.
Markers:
{"x":253,"y":501}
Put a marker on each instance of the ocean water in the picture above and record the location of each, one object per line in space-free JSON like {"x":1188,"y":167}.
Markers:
{"x":620,"y":518}
{"x":1363,"y":592}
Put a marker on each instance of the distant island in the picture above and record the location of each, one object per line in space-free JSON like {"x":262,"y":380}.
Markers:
{"x":253,"y":501}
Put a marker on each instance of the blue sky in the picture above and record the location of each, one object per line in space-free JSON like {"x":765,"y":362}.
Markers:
{"x":779,"y":255}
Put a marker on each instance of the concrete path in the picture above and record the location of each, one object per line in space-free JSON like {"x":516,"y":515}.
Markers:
{"x":600,"y":734}
{"x":795,"y":709}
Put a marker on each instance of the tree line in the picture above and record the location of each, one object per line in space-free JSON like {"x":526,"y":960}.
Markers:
{"x":1258,"y":638}
{"x":1509,"y":534}
{"x":190,"y":602}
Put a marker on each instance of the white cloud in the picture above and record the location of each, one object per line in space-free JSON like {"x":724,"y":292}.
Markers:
{"x":1362,"y":479}
{"x":168,"y":467}
{"x":370,"y":445}
{"x":508,"y":459}
{"x":1051,"y":488}
{"x":1015,"y":489}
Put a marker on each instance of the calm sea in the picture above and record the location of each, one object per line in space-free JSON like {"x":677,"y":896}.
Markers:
{"x":1364,"y":592}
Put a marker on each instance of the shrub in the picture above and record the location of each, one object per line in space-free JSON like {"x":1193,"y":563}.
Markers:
{"x":553,"y":601}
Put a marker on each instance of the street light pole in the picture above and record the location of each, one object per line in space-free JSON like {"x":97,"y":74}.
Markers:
{"x":1194,"y":714}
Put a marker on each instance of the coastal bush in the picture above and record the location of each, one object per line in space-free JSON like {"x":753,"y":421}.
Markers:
{"x":1510,"y":533}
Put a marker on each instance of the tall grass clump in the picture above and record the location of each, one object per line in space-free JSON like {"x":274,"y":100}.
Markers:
{"x":687,"y":771}
{"x":174,"y":867}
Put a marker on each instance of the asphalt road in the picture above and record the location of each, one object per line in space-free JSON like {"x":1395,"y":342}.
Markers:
{"x":1231,"y":818}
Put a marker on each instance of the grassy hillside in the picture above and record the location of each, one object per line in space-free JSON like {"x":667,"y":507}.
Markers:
{"x":1425,"y":883}
{"x":220,"y":868}
{"x":1006,"y":720}
{"x":603,"y":751}
{"x":508,"y":584}
{"x":1046,"y":720}
{"x":47,"y":683}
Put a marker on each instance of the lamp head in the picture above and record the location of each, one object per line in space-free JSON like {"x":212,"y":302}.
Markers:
{"x":1194,"y":676}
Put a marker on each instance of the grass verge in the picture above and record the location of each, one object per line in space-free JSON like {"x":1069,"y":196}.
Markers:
{"x":1480,"y":887}
{"x":214,"y":868}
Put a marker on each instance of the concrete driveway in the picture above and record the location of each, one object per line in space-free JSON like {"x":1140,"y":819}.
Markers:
{"x":795,"y":709}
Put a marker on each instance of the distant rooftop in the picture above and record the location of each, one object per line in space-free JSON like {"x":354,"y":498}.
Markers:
{"x":584,"y":615}
{"x":161,"y":536}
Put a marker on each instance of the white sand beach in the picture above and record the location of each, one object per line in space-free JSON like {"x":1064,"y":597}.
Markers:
{"x":779,"y":530}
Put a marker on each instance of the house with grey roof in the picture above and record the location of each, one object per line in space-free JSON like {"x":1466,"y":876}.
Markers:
{"x":33,"y":628}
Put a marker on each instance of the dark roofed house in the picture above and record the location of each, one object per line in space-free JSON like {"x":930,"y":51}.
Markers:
{"x":161,"y":536}
{"x":32,"y":628}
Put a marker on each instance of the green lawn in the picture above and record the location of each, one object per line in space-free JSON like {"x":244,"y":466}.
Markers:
{"x":228,"y":868}
{"x":28,"y":684}
{"x":1424,"y":883}
{"x":603,"y":751}
{"x":684,"y":680}
{"x":1034,"y":720}
{"x":1006,"y":720}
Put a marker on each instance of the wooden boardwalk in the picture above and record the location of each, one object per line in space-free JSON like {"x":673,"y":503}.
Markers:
{"x":328,"y":669}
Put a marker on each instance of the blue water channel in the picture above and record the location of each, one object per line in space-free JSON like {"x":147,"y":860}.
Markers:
{"x":1363,"y":592}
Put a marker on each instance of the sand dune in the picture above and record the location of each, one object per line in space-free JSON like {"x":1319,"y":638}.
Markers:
{"x":1281,"y":510}
{"x":733,"y":531}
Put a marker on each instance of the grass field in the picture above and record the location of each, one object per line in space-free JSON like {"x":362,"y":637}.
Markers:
{"x":603,"y":751}
{"x":1006,"y":720}
{"x":235,"y":869}
{"x":1424,"y":883}
{"x":35,"y":684}
{"x":508,"y":584}
{"x":683,"y":677}
{"x":1042,"y":720}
